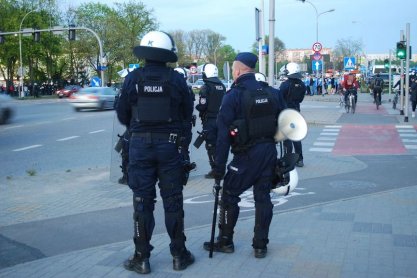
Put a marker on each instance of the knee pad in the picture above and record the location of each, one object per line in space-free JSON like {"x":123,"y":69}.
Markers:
{"x":143,"y":205}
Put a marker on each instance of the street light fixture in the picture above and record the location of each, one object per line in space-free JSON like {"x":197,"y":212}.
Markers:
{"x":21,"y":73}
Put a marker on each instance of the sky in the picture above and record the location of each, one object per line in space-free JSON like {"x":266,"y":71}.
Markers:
{"x":377,"y":23}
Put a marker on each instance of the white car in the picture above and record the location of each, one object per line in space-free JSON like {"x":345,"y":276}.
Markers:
{"x":6,"y":108}
{"x":100,"y":98}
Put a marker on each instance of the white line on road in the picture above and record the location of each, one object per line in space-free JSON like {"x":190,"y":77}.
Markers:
{"x":410,"y":140}
{"x":70,"y":118}
{"x":328,"y":144}
{"x":327,"y":138}
{"x":10,"y":127}
{"x":404,"y":126}
{"x":67,"y":138}
{"x":27,"y":148}
{"x":414,"y":147}
{"x":408,"y":135}
{"x":332,"y":126}
{"x":329,"y":133}
{"x":320,"y":149}
{"x":331,"y":130}
{"x":96,"y":131}
{"x":406,"y":130}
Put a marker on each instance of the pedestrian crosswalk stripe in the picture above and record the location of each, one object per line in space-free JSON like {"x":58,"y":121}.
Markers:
{"x":408,"y":135}
{"x":327,"y":138}
{"x":332,"y":126}
{"x":330,"y":144}
{"x":330,"y":130}
{"x":404,"y":126}
{"x":406,"y":130}
{"x":320,"y":149}
{"x":409,"y":140}
{"x":329,"y":133}
{"x":414,"y":147}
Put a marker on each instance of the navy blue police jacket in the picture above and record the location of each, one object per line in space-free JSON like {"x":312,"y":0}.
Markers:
{"x":232,"y":109}
{"x":181,"y":102}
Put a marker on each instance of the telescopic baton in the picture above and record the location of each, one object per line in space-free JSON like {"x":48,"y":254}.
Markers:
{"x":217,"y":188}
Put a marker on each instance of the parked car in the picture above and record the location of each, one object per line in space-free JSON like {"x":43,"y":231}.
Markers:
{"x":6,"y":108}
{"x":197,"y":85}
{"x":67,"y":91}
{"x":93,"y":98}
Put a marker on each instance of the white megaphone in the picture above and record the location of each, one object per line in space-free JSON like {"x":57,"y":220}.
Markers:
{"x":291,"y":125}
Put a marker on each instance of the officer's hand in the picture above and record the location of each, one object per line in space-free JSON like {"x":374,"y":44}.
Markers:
{"x":218,"y":176}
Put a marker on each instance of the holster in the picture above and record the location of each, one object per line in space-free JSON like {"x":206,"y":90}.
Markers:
{"x":200,"y":139}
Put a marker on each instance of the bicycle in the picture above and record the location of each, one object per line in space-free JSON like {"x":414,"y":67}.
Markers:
{"x":377,"y":100}
{"x":351,"y":104}
{"x":341,"y":100}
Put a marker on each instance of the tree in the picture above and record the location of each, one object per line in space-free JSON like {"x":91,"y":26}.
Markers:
{"x":346,"y":48}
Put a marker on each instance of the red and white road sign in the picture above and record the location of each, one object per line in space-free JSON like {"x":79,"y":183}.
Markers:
{"x":317,"y":56}
{"x":317,"y":47}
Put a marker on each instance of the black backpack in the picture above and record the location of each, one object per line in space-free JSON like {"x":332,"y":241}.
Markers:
{"x":379,"y":82}
{"x":296,"y":91}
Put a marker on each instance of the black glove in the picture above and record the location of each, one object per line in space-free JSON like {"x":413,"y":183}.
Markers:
{"x":218,"y":176}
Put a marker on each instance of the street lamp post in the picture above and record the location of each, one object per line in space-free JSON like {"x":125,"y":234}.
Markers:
{"x":317,"y":35}
{"x":21,"y":73}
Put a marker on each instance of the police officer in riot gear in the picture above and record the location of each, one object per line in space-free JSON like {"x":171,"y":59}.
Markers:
{"x":246,"y":122}
{"x":154,"y":103}
{"x":211,"y":95}
{"x":186,"y":139}
{"x":293,"y":89}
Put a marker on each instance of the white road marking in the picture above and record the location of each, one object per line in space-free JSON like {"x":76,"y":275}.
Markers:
{"x":67,"y":138}
{"x":96,"y":131}
{"x":11,"y":127}
{"x":410,"y":140}
{"x":413,"y":147}
{"x":404,"y":126}
{"x":329,"y":133}
{"x":333,"y":126}
{"x":406,"y":130}
{"x":27,"y":148}
{"x":408,"y":135}
{"x":70,"y":118}
{"x":327,"y":138}
{"x":328,"y":144}
{"x":320,"y":149}
{"x":330,"y":130}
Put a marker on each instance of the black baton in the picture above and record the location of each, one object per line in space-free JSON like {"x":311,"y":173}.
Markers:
{"x":217,"y":188}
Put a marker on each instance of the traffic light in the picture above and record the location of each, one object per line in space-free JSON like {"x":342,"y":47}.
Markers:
{"x":401,"y":50}
{"x":71,"y":33}
{"x":37,"y":36}
{"x":386,"y":63}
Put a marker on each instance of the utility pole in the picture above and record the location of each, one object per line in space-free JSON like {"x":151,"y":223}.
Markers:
{"x":271,"y":55}
{"x":407,"y":69}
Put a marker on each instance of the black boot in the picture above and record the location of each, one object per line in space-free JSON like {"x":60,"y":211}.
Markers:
{"x":209,"y":175}
{"x":224,"y":245}
{"x":183,"y":260}
{"x":174,"y":222}
{"x":263,"y":218}
{"x":138,"y":263}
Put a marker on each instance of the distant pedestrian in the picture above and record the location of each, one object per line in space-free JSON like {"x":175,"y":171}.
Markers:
{"x":413,"y":97}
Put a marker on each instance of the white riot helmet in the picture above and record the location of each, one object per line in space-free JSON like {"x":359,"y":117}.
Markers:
{"x":157,"y":46}
{"x":286,"y":189}
{"x":293,"y":70}
{"x":209,"y":70}
{"x":182,"y":71}
{"x":260,"y":77}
